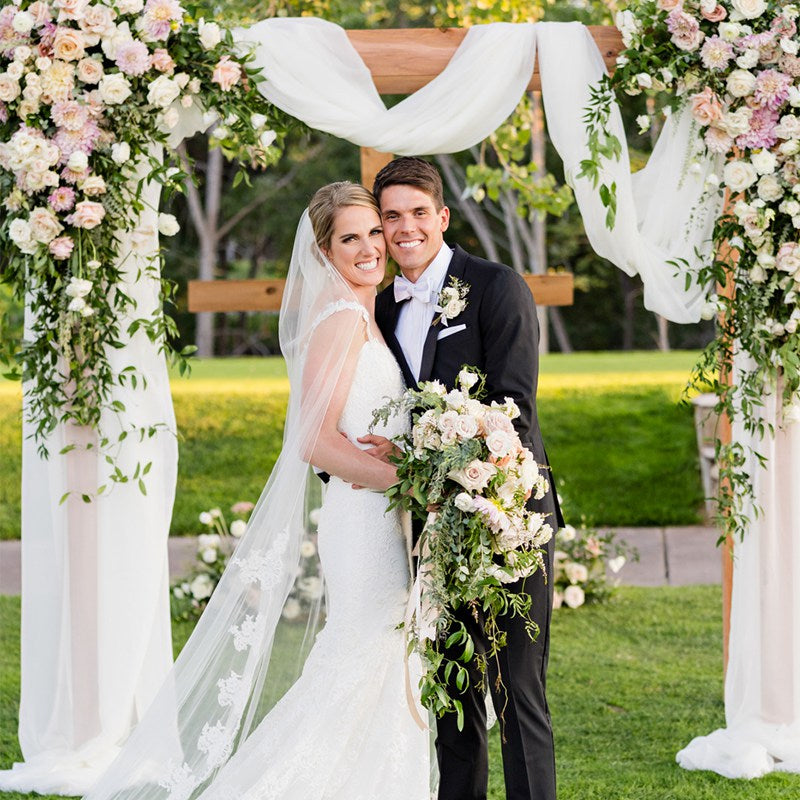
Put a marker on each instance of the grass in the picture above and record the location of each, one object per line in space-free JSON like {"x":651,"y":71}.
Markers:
{"x":623,"y":452}
{"x":630,"y":683}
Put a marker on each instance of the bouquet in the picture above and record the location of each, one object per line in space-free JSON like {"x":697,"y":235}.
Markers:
{"x":465,"y":472}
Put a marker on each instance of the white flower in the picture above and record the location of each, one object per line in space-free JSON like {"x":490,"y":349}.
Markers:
{"x":770,"y":189}
{"x":120,"y":152}
{"x":643,"y":121}
{"x":576,"y":573}
{"x":741,"y":83}
{"x":466,"y":426}
{"x":644,"y":80}
{"x":748,"y":59}
{"x":238,"y":527}
{"x":78,"y":287}
{"x":206,"y":540}
{"x":209,"y":555}
{"x":730,"y":31}
{"x":750,"y":9}
{"x":129,"y":6}
{"x":499,"y":443}
{"x":739,"y":175}
{"x":170,"y":118}
{"x":567,"y":533}
{"x":616,"y":564}
{"x":19,"y":231}
{"x":314,"y":516}
{"x":794,"y":96}
{"x":78,"y":161}
{"x":574,"y":596}
{"x":206,"y":518}
{"x":628,"y":26}
{"x":466,"y":379}
{"x":307,"y":549}
{"x":464,"y":502}
{"x":291,"y":610}
{"x":76,"y":304}
{"x":210,"y":34}
{"x":44,"y":225}
{"x":163,"y":91}
{"x":9,"y":88}
{"x":790,"y":47}
{"x":475,"y":476}
{"x":764,"y":162}
{"x":168,"y":225}
{"x":258,"y":121}
{"x":23,"y":22}
{"x":114,"y":89}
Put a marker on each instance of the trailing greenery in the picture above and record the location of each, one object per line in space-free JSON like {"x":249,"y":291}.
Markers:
{"x":629,"y":684}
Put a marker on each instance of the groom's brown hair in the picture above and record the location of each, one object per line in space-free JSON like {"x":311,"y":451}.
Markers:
{"x":410,"y":171}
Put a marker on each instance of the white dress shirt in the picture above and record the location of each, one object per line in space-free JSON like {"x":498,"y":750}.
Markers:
{"x":415,"y":317}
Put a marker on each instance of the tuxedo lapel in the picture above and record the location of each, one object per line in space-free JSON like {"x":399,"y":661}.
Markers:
{"x":387,"y":322}
{"x":455,"y":270}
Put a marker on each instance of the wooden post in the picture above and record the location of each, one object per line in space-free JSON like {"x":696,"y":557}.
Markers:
{"x":372,"y":162}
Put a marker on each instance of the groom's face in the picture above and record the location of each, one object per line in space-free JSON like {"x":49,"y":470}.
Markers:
{"x":413,"y":226}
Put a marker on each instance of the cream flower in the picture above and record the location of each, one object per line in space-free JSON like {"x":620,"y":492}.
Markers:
{"x":741,"y":83}
{"x":475,"y":476}
{"x":168,"y":225}
{"x":114,"y":89}
{"x":574,"y":596}
{"x":210,"y":34}
{"x":88,"y":214}
{"x":9,"y":88}
{"x":163,"y":91}
{"x":90,"y":70}
{"x":750,"y":9}
{"x":68,"y":44}
{"x":44,"y":225}
{"x":739,"y":175}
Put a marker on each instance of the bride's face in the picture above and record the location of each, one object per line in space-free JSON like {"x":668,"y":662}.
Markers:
{"x":357,"y":248}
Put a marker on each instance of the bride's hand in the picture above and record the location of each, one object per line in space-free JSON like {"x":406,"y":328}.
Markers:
{"x":382,"y":447}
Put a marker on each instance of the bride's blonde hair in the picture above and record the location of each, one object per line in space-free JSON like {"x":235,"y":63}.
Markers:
{"x":328,"y":200}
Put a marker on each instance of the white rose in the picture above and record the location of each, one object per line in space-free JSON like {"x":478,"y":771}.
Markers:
{"x":464,"y":502}
{"x":466,"y":426}
{"x":794,"y":96}
{"x":115,"y":89}
{"x":163,"y":92}
{"x":120,"y":152}
{"x":201,"y":587}
{"x":129,"y":6}
{"x":78,"y":287}
{"x":739,"y":175}
{"x":576,"y":573}
{"x":90,"y":70}
{"x":467,"y":379}
{"x":19,"y":231}
{"x":76,"y":304}
{"x":15,"y":70}
{"x":644,"y":80}
{"x":730,"y":31}
{"x":770,"y":189}
{"x":23,"y":22}
{"x":182,"y":79}
{"x":574,"y":596}
{"x":475,"y":476}
{"x":194,"y":85}
{"x":44,"y":225}
{"x":748,"y":59}
{"x":210,"y":34}
{"x":258,"y":121}
{"x":9,"y":88}
{"x":78,"y":161}
{"x":567,"y":534}
{"x":643,"y":121}
{"x":93,"y":185}
{"x":741,"y":83}
{"x":239,"y":526}
{"x":750,"y":9}
{"x":22,"y":53}
{"x":764,"y":162}
{"x":790,"y":207}
{"x":499,"y":443}
{"x":168,"y":225}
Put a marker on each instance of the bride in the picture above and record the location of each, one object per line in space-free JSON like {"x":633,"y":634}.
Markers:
{"x":344,"y":728}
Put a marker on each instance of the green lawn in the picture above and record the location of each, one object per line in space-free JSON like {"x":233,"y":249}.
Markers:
{"x":630,"y":683}
{"x":621,"y":448}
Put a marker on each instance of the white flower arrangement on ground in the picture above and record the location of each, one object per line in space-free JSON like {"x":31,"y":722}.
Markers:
{"x":190,"y":595}
{"x":464,"y":470}
{"x":736,"y":65}
{"x":86,"y":90}
{"x":581,"y":563}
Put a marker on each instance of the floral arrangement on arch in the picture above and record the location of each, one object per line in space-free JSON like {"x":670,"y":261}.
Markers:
{"x":734,"y":64}
{"x":87,"y":89}
{"x":190,"y":595}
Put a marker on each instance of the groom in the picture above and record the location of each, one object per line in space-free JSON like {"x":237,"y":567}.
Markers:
{"x":497,"y":332}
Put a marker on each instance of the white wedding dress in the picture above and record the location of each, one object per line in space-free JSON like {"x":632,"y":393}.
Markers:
{"x":344,"y":731}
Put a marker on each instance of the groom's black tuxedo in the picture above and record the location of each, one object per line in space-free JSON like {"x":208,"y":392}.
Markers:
{"x":498,"y":333}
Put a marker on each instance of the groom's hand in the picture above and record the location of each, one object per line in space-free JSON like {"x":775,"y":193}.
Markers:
{"x":381,"y":448}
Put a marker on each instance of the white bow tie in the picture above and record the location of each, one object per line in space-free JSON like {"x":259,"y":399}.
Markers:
{"x":404,"y":289}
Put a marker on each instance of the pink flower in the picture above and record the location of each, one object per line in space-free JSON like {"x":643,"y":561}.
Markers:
{"x":685,"y":30}
{"x":790,"y":65}
{"x":494,"y":517}
{"x":72,"y":176}
{"x":762,"y":132}
{"x":592,"y":546}
{"x":784,"y":27}
{"x":716,"y":53}
{"x":227,"y":73}
{"x":61,"y":248}
{"x":87,"y":214}
{"x":133,"y":58}
{"x":706,"y":107}
{"x":772,"y":88}
{"x":162,"y":61}
{"x":158,"y":17}
{"x":69,"y":114}
{"x":669,"y":5}
{"x":717,"y":15}
{"x":717,"y":141}
{"x":62,"y":199}
{"x":3,"y":113}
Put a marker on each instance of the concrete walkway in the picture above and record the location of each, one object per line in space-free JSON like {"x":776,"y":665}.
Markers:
{"x":667,"y":557}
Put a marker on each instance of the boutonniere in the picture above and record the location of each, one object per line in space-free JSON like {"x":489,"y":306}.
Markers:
{"x":451,"y":302}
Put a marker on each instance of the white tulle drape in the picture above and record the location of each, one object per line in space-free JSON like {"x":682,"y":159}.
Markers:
{"x":96,"y":640}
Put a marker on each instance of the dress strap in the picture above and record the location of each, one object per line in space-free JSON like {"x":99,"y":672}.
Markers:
{"x":343,"y":305}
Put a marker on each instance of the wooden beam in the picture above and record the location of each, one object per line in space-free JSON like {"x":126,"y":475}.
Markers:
{"x":265,"y":295}
{"x":403,"y":60}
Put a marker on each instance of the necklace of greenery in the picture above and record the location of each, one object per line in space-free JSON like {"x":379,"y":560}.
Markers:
{"x":736,"y":65}
{"x":88,"y":93}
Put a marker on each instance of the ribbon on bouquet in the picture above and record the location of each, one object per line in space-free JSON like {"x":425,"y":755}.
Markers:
{"x":418,"y":606}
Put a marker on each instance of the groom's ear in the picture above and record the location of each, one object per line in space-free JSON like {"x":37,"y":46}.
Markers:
{"x":444,"y":215}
